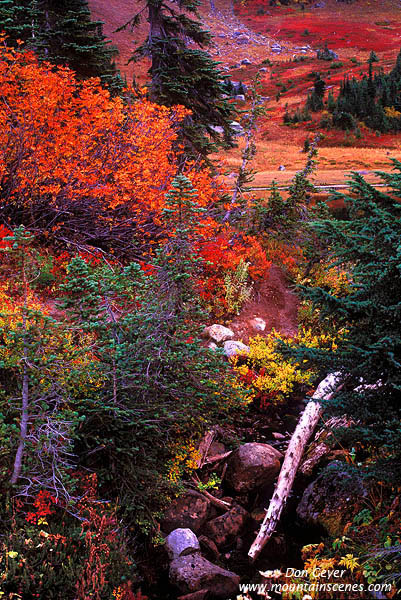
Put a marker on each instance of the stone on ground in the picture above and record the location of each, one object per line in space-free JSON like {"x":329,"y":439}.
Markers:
{"x":193,"y":573}
{"x":181,"y":542}
{"x":233,"y":347}
{"x":252,"y":466}
{"x":218,"y":333}
{"x":188,"y":512}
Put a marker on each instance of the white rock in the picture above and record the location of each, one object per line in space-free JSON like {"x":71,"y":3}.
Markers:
{"x":217,"y":129}
{"x":218,"y":333}
{"x":237,"y":128}
{"x":181,"y":542}
{"x":234,"y":347}
{"x":258,"y":324}
{"x":240,"y":97}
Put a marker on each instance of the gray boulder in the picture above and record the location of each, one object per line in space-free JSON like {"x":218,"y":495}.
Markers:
{"x":237,"y":128}
{"x":217,"y":129}
{"x":218,"y":333}
{"x":193,"y":573}
{"x":209,"y":547}
{"x":252,"y":466}
{"x":233,"y":347}
{"x":181,"y":542}
{"x":188,"y":512}
{"x":238,"y":87}
{"x":258,"y":324}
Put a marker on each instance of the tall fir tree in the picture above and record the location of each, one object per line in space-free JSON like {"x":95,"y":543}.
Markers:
{"x":368,"y":318}
{"x":62,"y":32}
{"x":182,"y":72}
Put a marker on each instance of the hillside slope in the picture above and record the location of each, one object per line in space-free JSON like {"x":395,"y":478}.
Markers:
{"x":255,"y":31}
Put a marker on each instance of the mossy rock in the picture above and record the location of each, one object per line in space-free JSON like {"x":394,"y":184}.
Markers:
{"x":333,"y":499}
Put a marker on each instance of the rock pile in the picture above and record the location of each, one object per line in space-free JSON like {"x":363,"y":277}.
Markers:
{"x":199,"y":528}
{"x":218,"y":334}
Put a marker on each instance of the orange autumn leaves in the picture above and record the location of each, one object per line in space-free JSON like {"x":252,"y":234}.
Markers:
{"x":62,"y":141}
{"x":67,"y":145}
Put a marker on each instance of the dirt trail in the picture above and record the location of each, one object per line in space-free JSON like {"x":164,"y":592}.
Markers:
{"x":273,"y":302}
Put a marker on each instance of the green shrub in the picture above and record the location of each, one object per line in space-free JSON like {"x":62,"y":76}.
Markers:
{"x":336,"y":65}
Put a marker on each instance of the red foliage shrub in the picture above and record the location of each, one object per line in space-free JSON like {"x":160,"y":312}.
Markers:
{"x":4,"y":232}
{"x":44,"y":507}
{"x":223,"y":254}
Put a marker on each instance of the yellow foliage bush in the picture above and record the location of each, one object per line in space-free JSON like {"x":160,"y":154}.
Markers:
{"x":185,"y":459}
{"x":392,"y":112}
{"x":57,"y":343}
{"x":335,"y":278}
{"x":271,"y":377}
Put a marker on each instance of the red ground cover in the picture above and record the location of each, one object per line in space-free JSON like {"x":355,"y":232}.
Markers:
{"x":312,"y":28}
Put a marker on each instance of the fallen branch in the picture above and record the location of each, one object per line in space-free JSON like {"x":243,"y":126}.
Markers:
{"x":293,"y":455}
{"x":321,"y":444}
{"x":215,"y":501}
{"x":213,"y":459}
{"x":204,"y":446}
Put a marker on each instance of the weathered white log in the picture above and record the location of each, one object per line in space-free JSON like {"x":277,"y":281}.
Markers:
{"x":292,"y":459}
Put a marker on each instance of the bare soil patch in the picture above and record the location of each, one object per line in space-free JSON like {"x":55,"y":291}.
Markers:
{"x":273,"y":302}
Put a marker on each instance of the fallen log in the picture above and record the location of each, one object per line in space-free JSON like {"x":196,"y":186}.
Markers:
{"x":292,"y":459}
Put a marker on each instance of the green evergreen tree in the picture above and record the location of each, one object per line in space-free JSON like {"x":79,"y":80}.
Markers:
{"x":157,"y":384}
{"x":315,"y":99}
{"x":367,"y":320}
{"x":371,"y":85}
{"x":182,"y":72}
{"x":366,"y":100}
{"x":62,"y":32}
{"x":16,"y":19}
